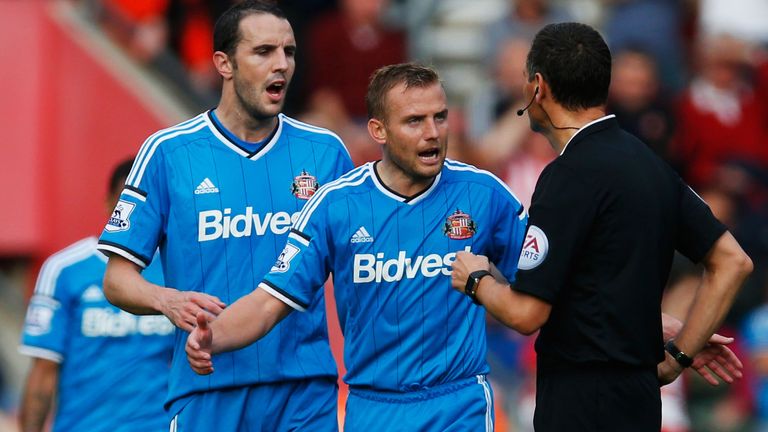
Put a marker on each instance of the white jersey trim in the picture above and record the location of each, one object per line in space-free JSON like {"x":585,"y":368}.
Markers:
{"x":312,"y":128}
{"x":255,"y":156}
{"x":123,"y":253}
{"x":133,"y":194}
{"x":352,"y":178}
{"x":282,"y":298}
{"x":399,"y":198}
{"x":460,"y":166}
{"x":42,"y":353}
{"x":79,"y":251}
{"x":147,"y":149}
{"x":609,"y":116}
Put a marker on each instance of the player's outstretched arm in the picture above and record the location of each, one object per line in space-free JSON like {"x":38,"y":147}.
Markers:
{"x":247,"y":320}
{"x":726,"y":267}
{"x":715,"y":358}
{"x":39,"y":390}
{"x":127,"y":289}
{"x":516,"y":310}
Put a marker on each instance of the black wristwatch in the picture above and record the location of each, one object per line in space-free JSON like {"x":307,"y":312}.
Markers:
{"x":681,"y":357}
{"x":473,"y":282}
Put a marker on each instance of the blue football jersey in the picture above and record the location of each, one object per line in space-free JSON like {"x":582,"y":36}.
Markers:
{"x":220,"y":211}
{"x":405,"y":328}
{"x":113,"y":373}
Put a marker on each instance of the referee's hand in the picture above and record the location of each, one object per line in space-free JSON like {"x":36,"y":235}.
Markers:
{"x":466,"y":263}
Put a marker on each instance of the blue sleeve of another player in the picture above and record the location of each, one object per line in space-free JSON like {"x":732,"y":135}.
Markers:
{"x":508,"y":234}
{"x":138,"y":221}
{"x":304,"y":264}
{"x":48,"y":315}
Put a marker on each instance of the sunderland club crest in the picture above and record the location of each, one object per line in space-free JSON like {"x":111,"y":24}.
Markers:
{"x":304,"y":185}
{"x":459,"y":226}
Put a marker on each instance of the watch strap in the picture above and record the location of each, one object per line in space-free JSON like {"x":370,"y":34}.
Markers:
{"x":682,"y":358}
{"x":473,"y":281}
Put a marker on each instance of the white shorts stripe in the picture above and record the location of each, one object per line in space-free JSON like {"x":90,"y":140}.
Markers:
{"x":488,"y":401}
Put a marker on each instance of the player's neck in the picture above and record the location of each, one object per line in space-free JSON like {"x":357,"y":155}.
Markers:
{"x":237,"y":121}
{"x":397,"y":180}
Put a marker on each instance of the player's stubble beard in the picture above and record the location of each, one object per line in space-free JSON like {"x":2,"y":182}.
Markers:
{"x":256,"y":111}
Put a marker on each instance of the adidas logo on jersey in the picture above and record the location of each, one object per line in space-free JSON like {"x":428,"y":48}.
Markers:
{"x":206,"y":187}
{"x":361,"y":236}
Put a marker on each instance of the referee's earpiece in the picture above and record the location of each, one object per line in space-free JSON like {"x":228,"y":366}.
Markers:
{"x":522,"y":110}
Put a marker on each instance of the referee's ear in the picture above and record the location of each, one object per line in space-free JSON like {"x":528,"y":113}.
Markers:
{"x":377,"y":131}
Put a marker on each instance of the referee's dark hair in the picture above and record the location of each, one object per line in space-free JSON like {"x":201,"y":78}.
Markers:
{"x":226,"y":32}
{"x":575,"y":61}
{"x":119,"y":174}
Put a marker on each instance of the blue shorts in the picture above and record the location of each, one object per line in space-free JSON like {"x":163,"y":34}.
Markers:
{"x":307,"y":405}
{"x":459,"y":406}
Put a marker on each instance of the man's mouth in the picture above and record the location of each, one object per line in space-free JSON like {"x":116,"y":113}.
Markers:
{"x":276,"y":89}
{"x":430,"y":155}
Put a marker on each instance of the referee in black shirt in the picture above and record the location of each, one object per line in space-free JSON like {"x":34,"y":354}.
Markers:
{"x":605,"y":220}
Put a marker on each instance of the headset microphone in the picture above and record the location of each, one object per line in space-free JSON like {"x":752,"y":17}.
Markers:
{"x":522,"y":110}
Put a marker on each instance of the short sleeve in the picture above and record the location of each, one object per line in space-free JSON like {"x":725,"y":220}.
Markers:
{"x":697,"y":227}
{"x":48,"y":316}
{"x":137,"y":223}
{"x":509,"y":230}
{"x":562,"y":210}
{"x":303,"y":266}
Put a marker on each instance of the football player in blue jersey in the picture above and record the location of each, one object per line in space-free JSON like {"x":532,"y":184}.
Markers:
{"x":388,"y":231}
{"x":217,"y":194}
{"x":102,"y":369}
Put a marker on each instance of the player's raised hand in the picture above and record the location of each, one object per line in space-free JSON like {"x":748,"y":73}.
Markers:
{"x":199,"y":346}
{"x":182,"y":307}
{"x":466,"y":263}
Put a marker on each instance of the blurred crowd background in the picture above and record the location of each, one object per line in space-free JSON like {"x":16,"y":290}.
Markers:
{"x":690,"y":78}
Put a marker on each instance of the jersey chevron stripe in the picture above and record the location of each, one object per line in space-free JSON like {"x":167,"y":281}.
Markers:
{"x":301,"y":125}
{"x":146,"y":144}
{"x":459,"y":166}
{"x":136,"y":180}
{"x":46,"y":282}
{"x":321,"y":193}
{"x":350,"y":176}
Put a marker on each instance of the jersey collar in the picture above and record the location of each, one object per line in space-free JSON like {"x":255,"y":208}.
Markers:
{"x":246,"y":153}
{"x":410,"y":200}
{"x":609,"y":116}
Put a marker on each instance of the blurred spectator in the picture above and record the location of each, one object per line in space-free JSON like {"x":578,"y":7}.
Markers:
{"x":744,"y":19}
{"x":637,"y":100}
{"x":504,"y":142}
{"x":654,"y":26}
{"x":718,"y":117}
{"x":345,"y":47}
{"x":524,"y":19}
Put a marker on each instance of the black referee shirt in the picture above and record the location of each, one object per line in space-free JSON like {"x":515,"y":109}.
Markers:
{"x":605,"y":219}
